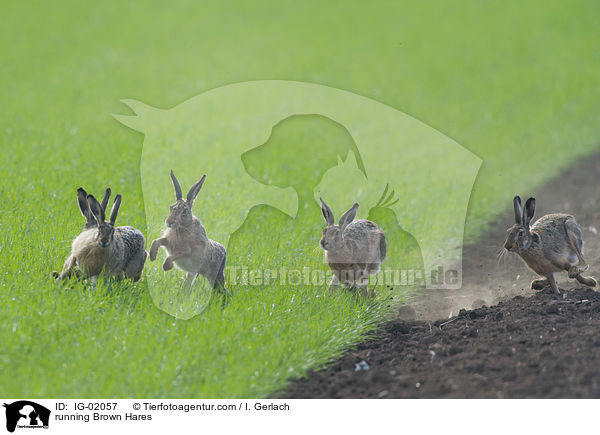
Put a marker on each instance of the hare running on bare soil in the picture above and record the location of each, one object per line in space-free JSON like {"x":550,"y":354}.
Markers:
{"x":552,"y":244}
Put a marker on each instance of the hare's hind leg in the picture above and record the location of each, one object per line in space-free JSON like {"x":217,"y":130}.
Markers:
{"x":190,"y":277}
{"x":219,"y":286}
{"x":576,"y":240}
{"x":135,"y":267}
{"x":586,"y":280}
{"x":219,"y":283}
{"x":220,"y":278}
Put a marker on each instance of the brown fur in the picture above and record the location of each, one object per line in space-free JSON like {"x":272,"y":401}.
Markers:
{"x":354,"y":249}
{"x":552,"y":244}
{"x":102,"y":247}
{"x":187,"y":244}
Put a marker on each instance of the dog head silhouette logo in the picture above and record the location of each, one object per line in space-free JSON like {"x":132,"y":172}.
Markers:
{"x":26,"y":414}
{"x":227,"y":131}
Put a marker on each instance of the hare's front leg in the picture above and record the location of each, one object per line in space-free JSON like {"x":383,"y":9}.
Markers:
{"x":362,"y":285}
{"x":168,"y":263}
{"x":94,"y":280}
{"x":539,"y":284}
{"x":67,"y":269}
{"x":334,"y":283}
{"x":553,"y":284}
{"x":156,"y":243}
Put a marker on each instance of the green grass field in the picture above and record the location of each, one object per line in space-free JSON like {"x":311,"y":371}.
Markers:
{"x":515,"y":83}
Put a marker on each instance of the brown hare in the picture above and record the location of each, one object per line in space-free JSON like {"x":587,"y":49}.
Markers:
{"x":118,"y":251}
{"x":552,"y":244}
{"x":187,"y":245}
{"x":354,"y":249}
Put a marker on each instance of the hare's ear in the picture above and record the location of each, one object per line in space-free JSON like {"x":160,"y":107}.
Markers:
{"x":327,"y":213}
{"x":176,"y":185}
{"x":96,"y":209}
{"x":194,"y":190}
{"x":518,"y":209}
{"x":348,"y":216}
{"x":104,"y":202}
{"x":84,"y":205}
{"x":529,"y":212}
{"x":115,"y":209}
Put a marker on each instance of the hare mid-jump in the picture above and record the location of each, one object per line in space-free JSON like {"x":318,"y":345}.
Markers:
{"x":353,"y":249}
{"x":186,"y":242}
{"x":552,"y":244}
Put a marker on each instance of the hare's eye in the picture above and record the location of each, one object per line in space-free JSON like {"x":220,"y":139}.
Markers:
{"x":172,"y":207}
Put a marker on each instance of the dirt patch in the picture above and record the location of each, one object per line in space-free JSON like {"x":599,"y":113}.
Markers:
{"x":529,"y":344}
{"x":525,"y":347}
{"x":486,"y":280}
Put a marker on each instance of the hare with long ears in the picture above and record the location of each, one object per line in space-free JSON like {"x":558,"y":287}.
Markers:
{"x":118,"y":251}
{"x":187,"y":245}
{"x":552,"y":244}
{"x":354,"y":249}
{"x":84,"y":207}
{"x":90,"y":223}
